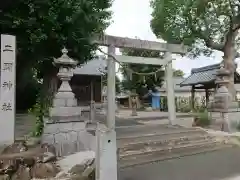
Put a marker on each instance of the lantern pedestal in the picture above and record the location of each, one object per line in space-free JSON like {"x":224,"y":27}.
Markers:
{"x":64,"y":128}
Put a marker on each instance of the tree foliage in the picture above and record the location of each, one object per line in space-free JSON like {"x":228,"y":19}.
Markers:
{"x":117,"y":82}
{"x":178,"y":73}
{"x":216,"y":23}
{"x":137,"y":82}
{"x":44,"y":27}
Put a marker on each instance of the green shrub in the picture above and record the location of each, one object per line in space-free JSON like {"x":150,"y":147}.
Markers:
{"x":185,"y":109}
{"x":203,"y":119}
{"x":40,"y":110}
{"x":238,"y":126}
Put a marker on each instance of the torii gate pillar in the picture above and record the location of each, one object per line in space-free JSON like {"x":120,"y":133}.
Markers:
{"x":170,"y":90}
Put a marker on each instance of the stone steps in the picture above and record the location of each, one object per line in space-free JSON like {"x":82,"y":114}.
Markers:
{"x":157,"y":144}
{"x":149,"y":137}
{"x":154,"y":144}
{"x":164,"y":153}
{"x":140,"y":130}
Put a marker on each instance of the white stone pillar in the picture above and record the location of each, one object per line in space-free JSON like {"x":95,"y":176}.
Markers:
{"x":8,"y":89}
{"x":106,"y":155}
{"x":170,"y":90}
{"x":111,"y":89}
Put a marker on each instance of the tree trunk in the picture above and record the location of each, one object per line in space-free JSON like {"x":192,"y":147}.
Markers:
{"x":228,"y":59}
{"x":50,"y":87}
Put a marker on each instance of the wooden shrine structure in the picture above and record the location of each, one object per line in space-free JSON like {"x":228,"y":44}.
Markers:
{"x":87,"y":80}
{"x":204,"y":78}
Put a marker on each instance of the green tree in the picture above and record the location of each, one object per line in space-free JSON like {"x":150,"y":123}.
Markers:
{"x":216,"y":23}
{"x":141,"y":83}
{"x":117,"y":84}
{"x":43,"y":27}
{"x":178,"y":73}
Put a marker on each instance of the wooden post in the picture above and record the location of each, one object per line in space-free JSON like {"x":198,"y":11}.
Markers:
{"x":92,"y":103}
{"x":193,"y":97}
{"x":101,"y":87}
{"x":92,"y":91}
{"x":207,"y":96}
{"x":129,"y":102}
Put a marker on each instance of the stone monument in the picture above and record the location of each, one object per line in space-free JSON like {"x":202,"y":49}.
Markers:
{"x":8,"y":89}
{"x":104,"y":98}
{"x":134,"y":103}
{"x":64,"y":128}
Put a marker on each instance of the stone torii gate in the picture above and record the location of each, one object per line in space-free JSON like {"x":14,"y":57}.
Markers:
{"x":106,"y":153}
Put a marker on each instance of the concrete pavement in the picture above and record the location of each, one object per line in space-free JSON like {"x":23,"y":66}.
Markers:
{"x":208,"y":166}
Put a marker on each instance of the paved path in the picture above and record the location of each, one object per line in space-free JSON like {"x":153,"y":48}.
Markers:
{"x":146,"y":115}
{"x":25,"y":123}
{"x":209,"y":166}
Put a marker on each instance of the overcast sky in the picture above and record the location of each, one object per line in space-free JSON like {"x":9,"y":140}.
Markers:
{"x":131,"y":18}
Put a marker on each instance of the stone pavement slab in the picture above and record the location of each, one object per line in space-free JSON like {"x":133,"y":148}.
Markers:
{"x":216,"y":165}
{"x":146,"y":115}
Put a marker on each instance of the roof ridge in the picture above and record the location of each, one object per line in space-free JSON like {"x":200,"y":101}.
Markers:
{"x":206,"y":68}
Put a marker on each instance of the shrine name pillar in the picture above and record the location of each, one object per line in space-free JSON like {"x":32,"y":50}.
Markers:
{"x":8,"y":89}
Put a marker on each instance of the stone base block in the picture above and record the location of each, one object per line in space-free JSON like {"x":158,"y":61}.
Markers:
{"x":68,"y":137}
{"x":232,"y":119}
{"x":68,"y":102}
{"x":65,"y":111}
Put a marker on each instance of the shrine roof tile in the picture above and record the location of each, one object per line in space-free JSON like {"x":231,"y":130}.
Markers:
{"x":94,"y":67}
{"x":204,"y":75}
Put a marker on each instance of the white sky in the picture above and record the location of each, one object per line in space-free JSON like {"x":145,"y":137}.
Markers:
{"x":131,"y":18}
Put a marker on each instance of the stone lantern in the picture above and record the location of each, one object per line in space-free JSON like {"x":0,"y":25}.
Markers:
{"x":222,"y":96}
{"x":65,"y":96}
{"x":64,"y":103}
{"x":134,"y":103}
{"x":65,"y":128}
{"x":222,"y":102}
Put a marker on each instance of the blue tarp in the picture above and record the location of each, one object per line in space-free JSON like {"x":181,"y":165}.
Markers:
{"x":155,"y":100}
